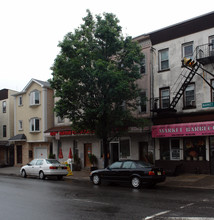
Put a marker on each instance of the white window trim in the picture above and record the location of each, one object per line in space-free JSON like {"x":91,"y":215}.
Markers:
{"x":33,"y":122}
{"x":160,"y":60}
{"x":185,"y":45}
{"x":20,"y":98}
{"x":20,"y":125}
{"x":33,"y":99}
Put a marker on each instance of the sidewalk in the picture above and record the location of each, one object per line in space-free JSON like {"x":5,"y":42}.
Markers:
{"x":197,"y":181}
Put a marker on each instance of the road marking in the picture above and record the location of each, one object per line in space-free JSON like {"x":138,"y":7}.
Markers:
{"x":187,"y":205}
{"x":157,"y":214}
{"x":90,"y":201}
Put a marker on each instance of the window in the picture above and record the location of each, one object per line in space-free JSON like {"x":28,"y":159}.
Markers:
{"x":143,"y":99}
{"x":4,"y":131}
{"x":175,"y":149}
{"x":189,"y":96}
{"x":124,"y":148}
{"x":20,"y":125}
{"x":143,"y":66}
{"x":211,"y":45}
{"x":127,"y":165}
{"x":20,"y":100}
{"x":212,"y":90}
{"x":164,"y":149}
{"x":164,"y":59}
{"x":169,"y":149}
{"x":60,"y":120}
{"x":188,"y":50}
{"x":164,"y":98}
{"x":39,"y":162}
{"x":4,"y":106}
{"x":35,"y":98}
{"x":195,"y":148}
{"x":34,"y":124}
{"x":116,"y":165}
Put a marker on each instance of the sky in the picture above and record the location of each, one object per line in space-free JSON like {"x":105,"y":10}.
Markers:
{"x":32,"y":29}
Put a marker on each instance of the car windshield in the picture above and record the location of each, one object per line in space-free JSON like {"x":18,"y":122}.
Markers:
{"x":142,"y":164}
{"x":52,"y":162}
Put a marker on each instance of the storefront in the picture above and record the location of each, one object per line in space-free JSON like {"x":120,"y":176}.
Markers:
{"x":185,"y":147}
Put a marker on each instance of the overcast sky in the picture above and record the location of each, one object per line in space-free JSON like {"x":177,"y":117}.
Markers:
{"x":31,"y":29}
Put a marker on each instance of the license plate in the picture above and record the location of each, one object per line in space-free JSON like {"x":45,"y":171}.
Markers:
{"x":159,"y":173}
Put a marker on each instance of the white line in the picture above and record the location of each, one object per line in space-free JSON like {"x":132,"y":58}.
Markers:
{"x":158,"y":214}
{"x":89,"y":201}
{"x":190,"y":204}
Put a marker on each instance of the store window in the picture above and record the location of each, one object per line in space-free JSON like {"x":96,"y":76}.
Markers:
{"x":175,"y":149}
{"x":195,"y":148}
{"x":124,"y":148}
{"x":164,"y":149}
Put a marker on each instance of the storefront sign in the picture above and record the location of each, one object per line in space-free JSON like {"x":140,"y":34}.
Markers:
{"x":62,"y":133}
{"x":183,"y":130}
{"x":207,"y":104}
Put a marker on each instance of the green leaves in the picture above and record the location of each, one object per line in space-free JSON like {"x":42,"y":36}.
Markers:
{"x":95,"y":76}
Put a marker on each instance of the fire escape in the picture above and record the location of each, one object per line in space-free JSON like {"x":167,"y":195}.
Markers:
{"x":204,"y":55}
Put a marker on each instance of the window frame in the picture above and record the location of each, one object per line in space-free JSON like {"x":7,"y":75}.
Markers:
{"x":161,"y":97}
{"x":160,"y":60}
{"x":20,"y":125}
{"x":125,"y":150}
{"x":187,"y":45}
{"x":212,"y":90}
{"x":33,"y":124}
{"x":20,"y":100}
{"x":4,"y":107}
{"x":34,"y":100}
{"x":185,"y":98}
{"x":143,"y":102}
{"x":143,"y":66}
{"x":4,"y":131}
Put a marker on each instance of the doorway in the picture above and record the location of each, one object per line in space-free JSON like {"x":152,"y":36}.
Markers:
{"x":19,"y":153}
{"x":143,"y":151}
{"x":87,"y":151}
{"x":114,"y":151}
{"x":212,"y":155}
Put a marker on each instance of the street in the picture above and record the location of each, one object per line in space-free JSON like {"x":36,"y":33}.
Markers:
{"x":51,"y":199}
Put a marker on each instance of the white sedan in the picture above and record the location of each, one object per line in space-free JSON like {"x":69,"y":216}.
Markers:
{"x":43,"y":168}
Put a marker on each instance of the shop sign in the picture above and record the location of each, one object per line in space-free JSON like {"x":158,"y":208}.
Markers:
{"x":183,"y":130}
{"x":207,"y":104}
{"x":62,"y":133}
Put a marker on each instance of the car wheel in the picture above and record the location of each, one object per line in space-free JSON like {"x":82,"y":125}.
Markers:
{"x":41,"y":175}
{"x":24,"y":175}
{"x":136,"y":182}
{"x":96,"y":179}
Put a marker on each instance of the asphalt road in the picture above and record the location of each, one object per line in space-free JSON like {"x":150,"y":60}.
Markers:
{"x":33,"y":199}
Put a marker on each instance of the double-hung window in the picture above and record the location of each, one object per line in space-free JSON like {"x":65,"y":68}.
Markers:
{"x":4,"y":106}
{"x":143,"y":66}
{"x":187,"y":50}
{"x":163,"y":59}
{"x":34,"y":125}
{"x":35,"y":97}
{"x":143,"y":99}
{"x":164,"y":98}
{"x":212,"y":90}
{"x":189,"y":96}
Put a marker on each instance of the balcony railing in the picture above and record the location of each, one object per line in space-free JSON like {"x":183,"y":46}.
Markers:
{"x":205,"y":53}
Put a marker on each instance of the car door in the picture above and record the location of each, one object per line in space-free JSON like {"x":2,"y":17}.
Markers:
{"x":125,"y":171}
{"x":30,"y":167}
{"x":112,"y":173}
{"x":38,"y":166}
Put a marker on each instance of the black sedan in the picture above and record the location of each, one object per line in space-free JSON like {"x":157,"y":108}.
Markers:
{"x":133,"y":171}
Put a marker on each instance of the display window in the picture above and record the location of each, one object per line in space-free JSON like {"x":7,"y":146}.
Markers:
{"x":195,"y":148}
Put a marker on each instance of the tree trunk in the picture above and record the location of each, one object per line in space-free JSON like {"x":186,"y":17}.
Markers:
{"x":105,"y":152}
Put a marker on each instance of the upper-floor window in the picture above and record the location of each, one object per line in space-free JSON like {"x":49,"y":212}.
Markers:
{"x":35,"y":97}
{"x":20,"y":125}
{"x":143,"y":98}
{"x":20,"y":100}
{"x":211,"y":45}
{"x":4,"y":131}
{"x":164,"y":59}
{"x":4,"y":106}
{"x":187,"y":50}
{"x":189,"y":96}
{"x":164,"y":98}
{"x":143,"y":66}
{"x":34,"y":125}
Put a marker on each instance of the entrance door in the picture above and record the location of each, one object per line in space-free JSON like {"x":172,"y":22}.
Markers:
{"x":87,"y":151}
{"x":143,"y":151}
{"x":114,"y":152}
{"x":212,"y":155}
{"x":19,"y":153}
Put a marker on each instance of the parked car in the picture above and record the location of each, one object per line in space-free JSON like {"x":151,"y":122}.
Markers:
{"x":43,"y":168}
{"x":133,"y":171}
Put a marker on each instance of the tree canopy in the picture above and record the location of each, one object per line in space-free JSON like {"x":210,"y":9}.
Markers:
{"x":95,"y":74}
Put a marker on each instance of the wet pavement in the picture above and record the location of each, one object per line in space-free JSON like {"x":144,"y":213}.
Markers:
{"x":201,"y":181}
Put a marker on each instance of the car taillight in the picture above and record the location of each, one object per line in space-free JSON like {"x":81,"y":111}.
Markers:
{"x":151,"y":173}
{"x":53,"y":168}
{"x":65,"y":168}
{"x":164,"y":173}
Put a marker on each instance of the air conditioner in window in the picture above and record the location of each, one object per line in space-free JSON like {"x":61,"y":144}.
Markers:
{"x":192,"y":103}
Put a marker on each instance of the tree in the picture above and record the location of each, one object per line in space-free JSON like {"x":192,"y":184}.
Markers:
{"x":95,"y":76}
